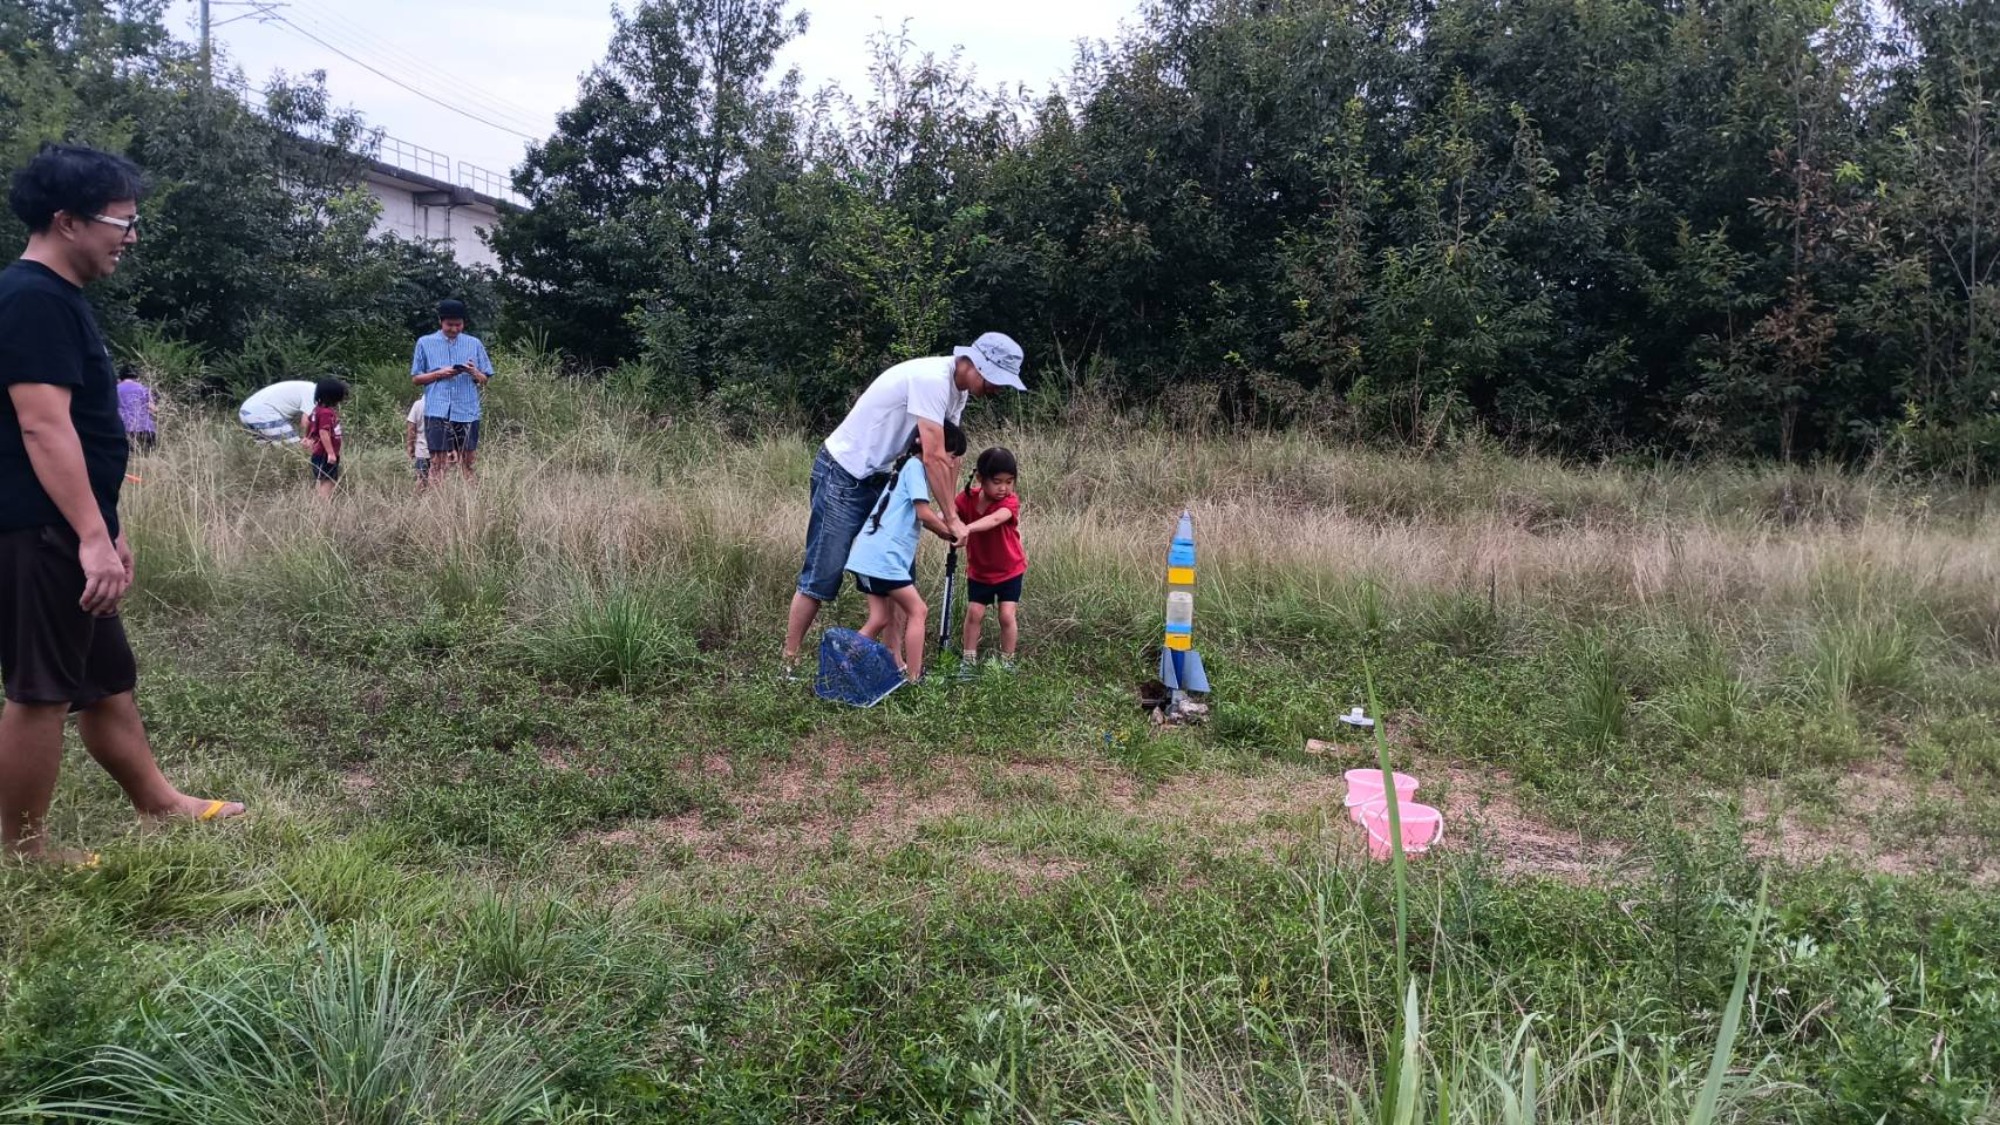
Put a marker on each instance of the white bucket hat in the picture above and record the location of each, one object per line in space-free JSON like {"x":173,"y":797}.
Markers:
{"x":998,"y":359}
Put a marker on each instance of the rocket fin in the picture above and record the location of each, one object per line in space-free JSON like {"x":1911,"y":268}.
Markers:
{"x":1193,"y":676}
{"x":1182,"y":671}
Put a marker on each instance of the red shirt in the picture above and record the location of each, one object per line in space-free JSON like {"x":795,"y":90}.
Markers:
{"x":994,"y":555}
{"x":323,"y":420}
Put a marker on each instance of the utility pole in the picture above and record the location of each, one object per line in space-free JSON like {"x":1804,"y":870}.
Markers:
{"x":207,"y":69}
{"x":263,"y":11}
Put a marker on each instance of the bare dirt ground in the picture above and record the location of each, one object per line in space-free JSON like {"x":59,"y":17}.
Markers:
{"x":834,"y":796}
{"x":1870,"y":819}
{"x":858,"y":801}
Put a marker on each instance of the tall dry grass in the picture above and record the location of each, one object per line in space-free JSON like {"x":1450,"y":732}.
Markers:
{"x":583,"y":492}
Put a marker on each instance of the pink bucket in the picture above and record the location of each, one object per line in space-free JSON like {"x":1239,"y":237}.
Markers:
{"x":1364,"y":786}
{"x":1423,"y":827}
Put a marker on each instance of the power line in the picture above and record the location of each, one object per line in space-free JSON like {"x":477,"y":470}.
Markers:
{"x":259,"y":10}
{"x":329,"y":21}
{"x":264,"y":11}
{"x":283,"y":21}
{"x":425,"y":79}
{"x":329,"y":18}
{"x":418,"y":78}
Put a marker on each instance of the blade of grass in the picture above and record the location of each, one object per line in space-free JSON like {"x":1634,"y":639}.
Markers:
{"x":1732,"y":1019}
{"x":1393,"y":802}
{"x":1411,"y":1066}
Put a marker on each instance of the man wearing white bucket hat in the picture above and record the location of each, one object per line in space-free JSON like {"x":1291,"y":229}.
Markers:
{"x":853,"y":465}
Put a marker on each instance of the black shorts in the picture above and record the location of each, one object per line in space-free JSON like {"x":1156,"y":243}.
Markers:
{"x":450,"y":437}
{"x":880,"y":587}
{"x":51,"y":651}
{"x":986,"y":593}
{"x":325,"y":470}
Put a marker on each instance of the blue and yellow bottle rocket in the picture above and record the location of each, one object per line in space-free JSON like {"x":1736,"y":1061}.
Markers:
{"x":1180,"y":664}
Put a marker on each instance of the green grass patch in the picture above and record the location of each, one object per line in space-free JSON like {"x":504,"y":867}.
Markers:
{"x":537,"y":834}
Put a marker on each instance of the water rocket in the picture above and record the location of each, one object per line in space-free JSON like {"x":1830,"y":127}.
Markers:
{"x":1180,"y":664}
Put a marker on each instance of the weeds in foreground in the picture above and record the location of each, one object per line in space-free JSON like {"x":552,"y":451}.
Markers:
{"x":621,"y":638}
{"x":361,"y":1037}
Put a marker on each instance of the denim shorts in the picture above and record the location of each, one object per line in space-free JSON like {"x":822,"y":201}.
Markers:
{"x":275,"y":431}
{"x":840,"y":505}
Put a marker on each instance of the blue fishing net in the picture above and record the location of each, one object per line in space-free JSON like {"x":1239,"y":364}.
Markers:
{"x":855,"y":670}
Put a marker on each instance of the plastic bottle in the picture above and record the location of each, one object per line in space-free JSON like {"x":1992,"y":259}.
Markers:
{"x":1180,"y":587}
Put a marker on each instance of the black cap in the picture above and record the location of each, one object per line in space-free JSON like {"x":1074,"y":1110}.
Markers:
{"x":451,"y":308}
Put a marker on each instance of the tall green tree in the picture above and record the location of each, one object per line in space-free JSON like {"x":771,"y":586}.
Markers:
{"x":257,"y":229}
{"x":638,"y":202}
{"x":1940,"y":191}
{"x":1756,"y":226}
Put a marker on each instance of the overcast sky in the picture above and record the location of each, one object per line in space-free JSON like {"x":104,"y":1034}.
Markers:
{"x":515,"y":63}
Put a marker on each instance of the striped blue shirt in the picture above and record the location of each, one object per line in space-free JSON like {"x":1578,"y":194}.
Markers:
{"x":455,"y":399}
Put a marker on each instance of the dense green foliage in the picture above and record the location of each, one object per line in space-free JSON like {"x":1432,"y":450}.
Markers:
{"x":1744,"y":225}
{"x":1740,"y":226}
{"x":256,"y":251}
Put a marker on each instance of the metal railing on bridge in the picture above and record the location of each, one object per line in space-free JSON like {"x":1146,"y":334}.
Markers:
{"x":436,"y":165}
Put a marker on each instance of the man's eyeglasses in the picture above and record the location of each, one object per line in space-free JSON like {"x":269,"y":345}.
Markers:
{"x":124,"y":224}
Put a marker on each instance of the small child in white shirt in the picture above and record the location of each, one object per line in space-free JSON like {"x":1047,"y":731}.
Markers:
{"x":420,"y":450}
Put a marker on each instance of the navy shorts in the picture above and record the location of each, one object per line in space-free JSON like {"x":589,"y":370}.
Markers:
{"x":880,"y":587}
{"x":52,"y":651}
{"x":840,"y":505}
{"x":450,"y":437}
{"x":324,"y":469}
{"x":986,"y":593}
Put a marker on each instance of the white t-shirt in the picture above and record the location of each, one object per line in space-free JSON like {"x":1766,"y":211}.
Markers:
{"x":280,"y":402}
{"x":877,"y":430}
{"x":423,"y":447}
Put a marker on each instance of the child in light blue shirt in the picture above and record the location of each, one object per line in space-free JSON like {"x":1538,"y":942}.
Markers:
{"x":883,"y":559}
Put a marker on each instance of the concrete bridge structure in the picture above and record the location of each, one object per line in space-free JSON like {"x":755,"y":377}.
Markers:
{"x":425,"y":196}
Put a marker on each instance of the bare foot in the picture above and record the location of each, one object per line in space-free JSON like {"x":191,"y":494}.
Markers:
{"x":74,"y":859}
{"x":185,"y":807}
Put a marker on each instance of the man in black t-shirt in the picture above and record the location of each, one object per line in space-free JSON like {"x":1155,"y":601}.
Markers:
{"x":64,"y":563}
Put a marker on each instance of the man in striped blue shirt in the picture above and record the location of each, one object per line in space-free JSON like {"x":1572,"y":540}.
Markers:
{"x":451,"y":365}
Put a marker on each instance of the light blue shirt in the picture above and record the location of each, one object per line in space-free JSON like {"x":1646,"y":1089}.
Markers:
{"x":455,"y":399}
{"x":891,"y":553}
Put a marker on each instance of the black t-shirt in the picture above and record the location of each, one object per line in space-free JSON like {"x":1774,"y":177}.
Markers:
{"x":48,"y":334}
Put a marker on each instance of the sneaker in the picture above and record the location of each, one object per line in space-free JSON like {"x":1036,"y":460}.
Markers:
{"x":1007,"y":664}
{"x":968,"y":671}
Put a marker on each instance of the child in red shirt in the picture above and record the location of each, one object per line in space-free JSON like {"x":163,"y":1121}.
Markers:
{"x":994,"y":561}
{"x":323,"y":433}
